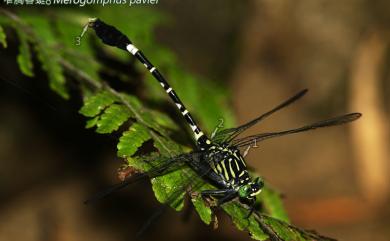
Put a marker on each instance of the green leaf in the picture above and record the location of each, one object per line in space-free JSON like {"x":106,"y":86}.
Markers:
{"x":96,"y":103}
{"x":24,"y":56}
{"x":41,"y":26}
{"x":167,"y":147}
{"x":205,"y":213}
{"x":142,"y":163}
{"x":273,"y":204}
{"x":283,"y":230}
{"x":92,"y":122}
{"x":150,"y":120}
{"x":49,"y":54}
{"x":3,"y":39}
{"x":170,"y":188}
{"x":112,"y":118}
{"x":50,"y":63}
{"x":238,"y":214}
{"x":171,"y":184}
{"x":260,"y":227}
{"x":164,"y":120}
{"x":133,"y":101}
{"x":132,"y":139}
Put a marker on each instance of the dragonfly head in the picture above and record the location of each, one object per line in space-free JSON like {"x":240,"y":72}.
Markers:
{"x":251,"y":189}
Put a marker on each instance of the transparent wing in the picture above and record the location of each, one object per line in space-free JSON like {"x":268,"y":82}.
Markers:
{"x":191,"y":181}
{"x":325,"y":123}
{"x":231,"y":133}
{"x":157,"y":167}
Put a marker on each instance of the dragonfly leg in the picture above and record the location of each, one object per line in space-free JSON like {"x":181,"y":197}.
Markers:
{"x":251,"y":208}
{"x":222,"y":196}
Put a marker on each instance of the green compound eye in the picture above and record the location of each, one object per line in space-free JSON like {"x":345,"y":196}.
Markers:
{"x":244,"y":191}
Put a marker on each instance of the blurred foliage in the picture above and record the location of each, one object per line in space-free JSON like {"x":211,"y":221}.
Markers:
{"x":3,"y":41}
{"x":51,"y":36}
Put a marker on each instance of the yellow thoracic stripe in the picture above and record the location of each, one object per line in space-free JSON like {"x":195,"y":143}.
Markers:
{"x":213,"y":167}
{"x":242,"y":161}
{"x":238,"y":167}
{"x":231,"y":168}
{"x":219,"y":168}
{"x":226,"y":174}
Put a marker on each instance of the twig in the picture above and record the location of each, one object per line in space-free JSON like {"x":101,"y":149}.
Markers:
{"x":274,"y":237}
{"x":271,"y":233}
{"x":82,"y":75}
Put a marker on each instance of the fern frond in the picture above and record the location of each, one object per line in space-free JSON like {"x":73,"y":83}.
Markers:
{"x":54,"y":71}
{"x":3,"y":40}
{"x":112,"y":118}
{"x":132,"y":139}
{"x":97,"y":103}
{"x":24,"y":57}
{"x":205,"y":213}
{"x":92,"y":122}
{"x":40,"y":38}
{"x":238,"y":216}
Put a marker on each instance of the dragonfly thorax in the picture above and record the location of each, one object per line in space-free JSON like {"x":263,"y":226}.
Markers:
{"x":227,"y":162}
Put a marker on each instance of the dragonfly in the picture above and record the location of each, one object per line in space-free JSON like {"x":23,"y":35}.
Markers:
{"x":217,"y":159}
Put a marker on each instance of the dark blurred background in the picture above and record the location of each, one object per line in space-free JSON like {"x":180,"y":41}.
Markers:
{"x":334,"y":180}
